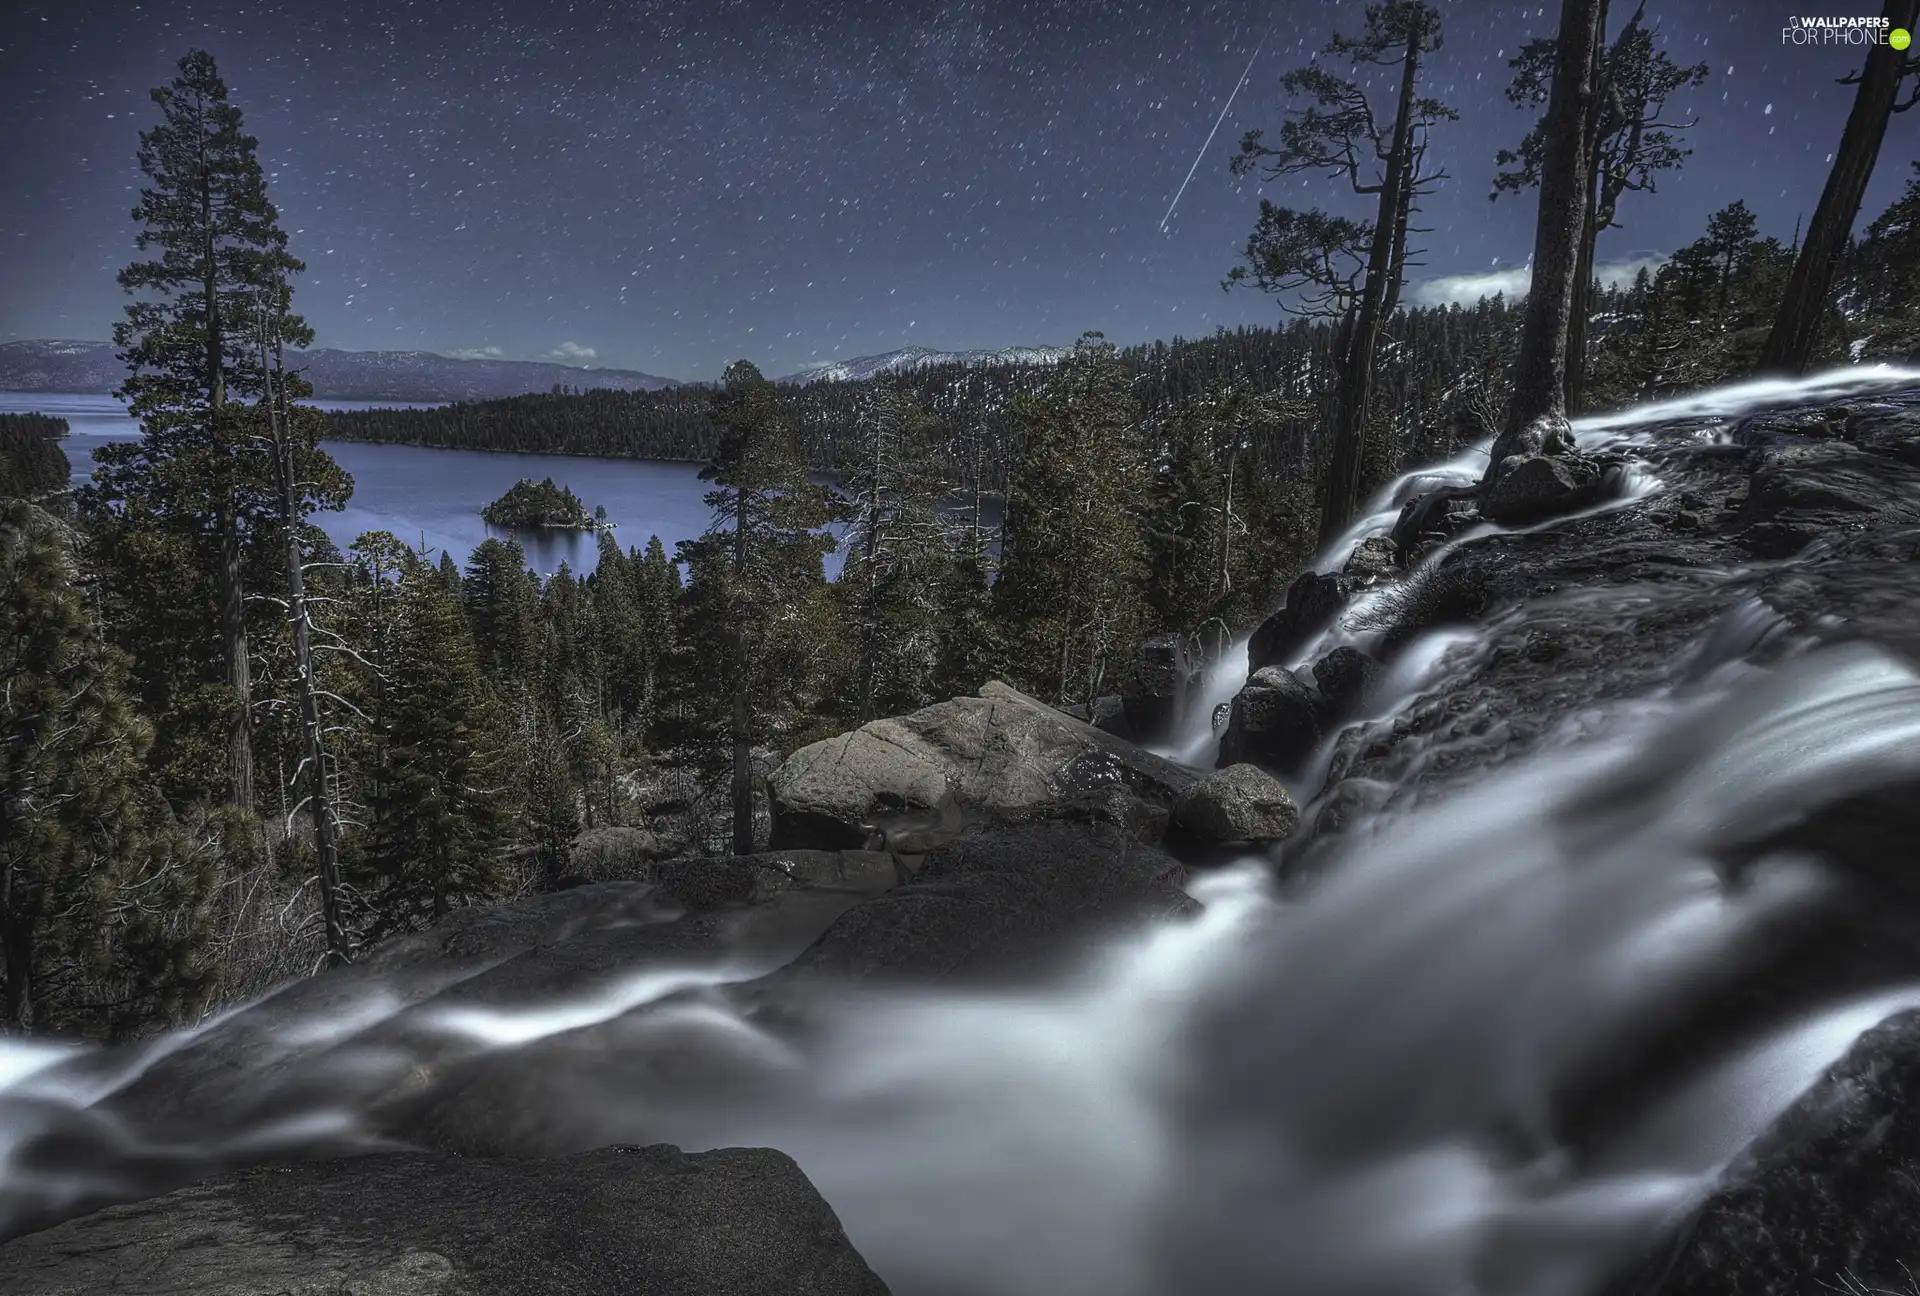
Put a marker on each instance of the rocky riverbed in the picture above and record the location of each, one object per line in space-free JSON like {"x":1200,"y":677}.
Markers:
{"x":1516,"y":933}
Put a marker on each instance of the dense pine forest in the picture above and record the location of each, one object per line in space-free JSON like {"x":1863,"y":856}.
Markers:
{"x":233,"y":753}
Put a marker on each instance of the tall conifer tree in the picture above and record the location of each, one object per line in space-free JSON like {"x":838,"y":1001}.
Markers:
{"x":188,"y":339}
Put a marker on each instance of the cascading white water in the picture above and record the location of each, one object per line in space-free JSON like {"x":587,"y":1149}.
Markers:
{"x":1197,"y":742}
{"x":1355,"y":1091}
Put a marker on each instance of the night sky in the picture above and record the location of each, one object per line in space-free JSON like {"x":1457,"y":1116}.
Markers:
{"x":669,"y":186}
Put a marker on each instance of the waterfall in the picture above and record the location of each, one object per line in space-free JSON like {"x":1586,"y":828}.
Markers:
{"x":1384,"y":1083}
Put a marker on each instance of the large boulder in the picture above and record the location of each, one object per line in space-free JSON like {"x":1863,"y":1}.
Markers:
{"x":996,"y":754}
{"x":1277,"y":720}
{"x":1529,"y":488}
{"x":1241,"y":803}
{"x":1346,"y":678}
{"x":617,"y":1221}
{"x":1313,"y":600}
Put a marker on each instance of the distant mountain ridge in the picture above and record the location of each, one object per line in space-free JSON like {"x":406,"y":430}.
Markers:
{"x":70,"y":366}
{"x":907,"y":359}
{"x":63,"y":365}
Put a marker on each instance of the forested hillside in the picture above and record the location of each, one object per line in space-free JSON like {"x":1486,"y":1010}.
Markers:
{"x":1699,"y":318}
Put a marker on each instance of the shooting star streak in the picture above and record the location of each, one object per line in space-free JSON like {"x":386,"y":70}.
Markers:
{"x":1210,"y":134}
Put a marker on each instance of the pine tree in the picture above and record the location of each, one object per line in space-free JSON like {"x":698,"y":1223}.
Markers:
{"x":503,"y":606}
{"x":435,"y":802}
{"x":1073,"y":560}
{"x":897,"y":556}
{"x":102,"y":899}
{"x":32,"y":464}
{"x":1884,"y":289}
{"x":756,"y":599}
{"x":187,"y":340}
{"x":1351,"y":271}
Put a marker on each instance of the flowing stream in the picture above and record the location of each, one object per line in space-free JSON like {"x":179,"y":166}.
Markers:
{"x":1358,"y":1089}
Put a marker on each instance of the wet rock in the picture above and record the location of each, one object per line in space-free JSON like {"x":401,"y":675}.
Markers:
{"x":1241,"y":803}
{"x":1829,"y":1195}
{"x":1529,"y":488}
{"x":1156,"y":691}
{"x":713,"y":883}
{"x":1802,"y":490}
{"x":1277,"y":721}
{"x":999,"y":902}
{"x":1373,"y":560}
{"x":733,"y":1222}
{"x":1313,"y":600}
{"x":998,"y":753}
{"x":1549,"y":434}
{"x":1431,"y":519}
{"x":1346,"y":677}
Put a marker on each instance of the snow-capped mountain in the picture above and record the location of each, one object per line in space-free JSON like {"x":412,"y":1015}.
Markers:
{"x":907,"y":359}
{"x":67,"y":366}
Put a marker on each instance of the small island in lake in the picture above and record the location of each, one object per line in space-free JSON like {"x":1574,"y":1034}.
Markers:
{"x":544,"y":504}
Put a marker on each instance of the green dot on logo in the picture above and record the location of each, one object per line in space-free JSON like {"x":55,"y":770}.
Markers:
{"x":1899,"y":38}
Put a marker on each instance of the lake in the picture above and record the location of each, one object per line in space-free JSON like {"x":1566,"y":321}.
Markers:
{"x":434,"y":497}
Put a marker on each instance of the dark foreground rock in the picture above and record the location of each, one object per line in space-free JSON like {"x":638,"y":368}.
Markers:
{"x":1827,"y":1200}
{"x":999,"y":754}
{"x":614,"y":1222}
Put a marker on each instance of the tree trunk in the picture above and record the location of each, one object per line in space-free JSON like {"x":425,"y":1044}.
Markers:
{"x":318,"y":796}
{"x":233,"y":598}
{"x":1540,"y":373}
{"x":17,"y":937}
{"x":1796,"y":328}
{"x":234,"y":646}
{"x":1342,"y":492}
{"x":742,"y":701}
{"x":1580,"y":319}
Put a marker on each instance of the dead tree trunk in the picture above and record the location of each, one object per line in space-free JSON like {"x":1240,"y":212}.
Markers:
{"x":318,"y":795}
{"x":1796,"y":328}
{"x":1355,"y":363}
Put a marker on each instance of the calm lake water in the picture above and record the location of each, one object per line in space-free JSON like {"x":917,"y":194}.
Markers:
{"x":434,"y":497}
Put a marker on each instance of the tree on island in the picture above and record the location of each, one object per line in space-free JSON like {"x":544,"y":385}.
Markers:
{"x":1350,"y":271}
{"x":544,"y":504}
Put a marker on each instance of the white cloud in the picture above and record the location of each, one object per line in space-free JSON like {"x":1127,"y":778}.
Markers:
{"x":477,"y":353}
{"x":572,"y":353}
{"x":1468,"y":289}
